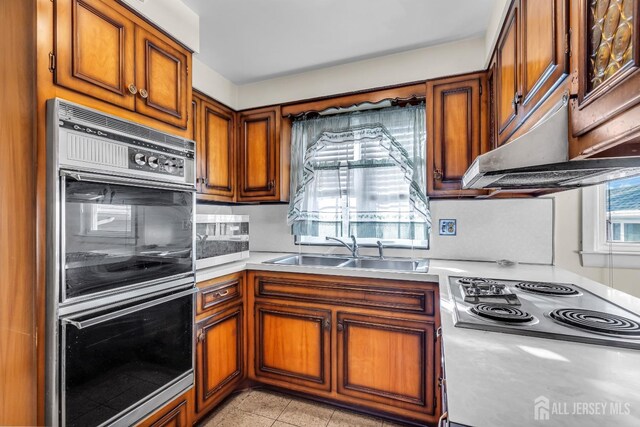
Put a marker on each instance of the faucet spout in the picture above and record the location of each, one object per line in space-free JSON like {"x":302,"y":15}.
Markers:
{"x":353,"y":247}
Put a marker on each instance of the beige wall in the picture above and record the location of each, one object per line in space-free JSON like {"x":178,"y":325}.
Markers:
{"x":414,"y":65}
{"x":568,"y":232}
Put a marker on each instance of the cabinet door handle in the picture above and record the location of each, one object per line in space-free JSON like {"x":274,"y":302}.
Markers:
{"x":271,"y":184}
{"x":200,"y":337}
{"x":221,"y":294}
{"x":516,"y":100}
{"x":340,"y":327}
{"x":327,"y":324}
{"x":437,"y":174}
{"x":132,"y":89}
{"x":144,"y":93}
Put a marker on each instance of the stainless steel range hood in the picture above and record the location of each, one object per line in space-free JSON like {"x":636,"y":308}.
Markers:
{"x":539,"y":159}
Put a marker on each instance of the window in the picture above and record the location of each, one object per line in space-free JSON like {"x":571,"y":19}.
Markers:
{"x":104,"y":220}
{"x":361,"y":174}
{"x":611,"y":224}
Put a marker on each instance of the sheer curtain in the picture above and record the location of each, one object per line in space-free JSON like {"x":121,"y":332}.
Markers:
{"x":361,"y":173}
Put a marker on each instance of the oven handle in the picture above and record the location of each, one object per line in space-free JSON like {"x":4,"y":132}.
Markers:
{"x":81,"y":324}
{"x":110,"y":179}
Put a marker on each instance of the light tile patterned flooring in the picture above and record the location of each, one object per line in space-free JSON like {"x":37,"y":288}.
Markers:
{"x":265,"y":408}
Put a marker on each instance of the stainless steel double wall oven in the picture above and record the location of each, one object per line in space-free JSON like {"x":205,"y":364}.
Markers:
{"x":120,"y":267}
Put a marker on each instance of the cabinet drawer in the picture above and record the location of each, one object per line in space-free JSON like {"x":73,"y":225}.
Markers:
{"x":218,"y":291}
{"x":371,"y":293}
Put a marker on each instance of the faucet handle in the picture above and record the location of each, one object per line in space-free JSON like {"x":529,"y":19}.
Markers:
{"x":380,"y":248}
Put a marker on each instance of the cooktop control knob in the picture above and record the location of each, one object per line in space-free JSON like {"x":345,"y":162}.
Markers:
{"x":153,"y":162}
{"x":170,"y":166}
{"x":140,"y":159}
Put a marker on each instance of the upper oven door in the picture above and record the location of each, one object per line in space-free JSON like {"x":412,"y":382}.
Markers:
{"x":119,"y":234}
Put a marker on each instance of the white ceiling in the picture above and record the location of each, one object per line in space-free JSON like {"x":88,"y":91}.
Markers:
{"x":252,"y":40}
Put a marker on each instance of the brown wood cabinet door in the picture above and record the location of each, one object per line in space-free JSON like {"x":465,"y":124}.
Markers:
{"x":292,"y":346}
{"x":95,"y":51}
{"x":161,"y":76}
{"x":259,"y":159}
{"x":508,"y":76}
{"x":545,"y":49}
{"x":218,"y":154}
{"x":606,"y":62}
{"x":219,"y":356}
{"x":388,"y":361}
{"x":457,"y":127}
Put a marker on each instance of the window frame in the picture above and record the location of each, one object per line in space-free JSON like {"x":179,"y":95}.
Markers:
{"x":597,"y":251}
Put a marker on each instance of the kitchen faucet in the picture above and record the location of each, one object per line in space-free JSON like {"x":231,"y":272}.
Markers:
{"x":353,"y":247}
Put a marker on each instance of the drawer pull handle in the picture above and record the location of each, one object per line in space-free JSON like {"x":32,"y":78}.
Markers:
{"x":144,"y":93}
{"x":221,"y":294}
{"x":132,"y":89}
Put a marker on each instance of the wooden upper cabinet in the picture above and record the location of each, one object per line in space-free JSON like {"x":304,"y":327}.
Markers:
{"x":457,"y":131}
{"x":391,"y":362}
{"x":161,"y":75}
{"x":218,"y":154}
{"x":219,"y":356}
{"x":545,"y":49}
{"x":105,"y":51}
{"x":508,"y":91}
{"x":605,"y":65}
{"x":259,"y":151}
{"x":95,"y":51}
{"x":292,"y":346}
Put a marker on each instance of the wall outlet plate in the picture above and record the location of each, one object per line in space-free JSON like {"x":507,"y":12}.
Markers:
{"x":447,"y":227}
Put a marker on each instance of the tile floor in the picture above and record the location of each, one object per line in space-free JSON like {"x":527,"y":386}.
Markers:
{"x":265,"y":408}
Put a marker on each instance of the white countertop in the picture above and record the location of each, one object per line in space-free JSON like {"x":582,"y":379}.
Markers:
{"x":494,"y":379}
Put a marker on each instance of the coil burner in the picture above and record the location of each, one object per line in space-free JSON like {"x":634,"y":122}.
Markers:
{"x":551,"y":289}
{"x":502,"y":313}
{"x":597,"y":321}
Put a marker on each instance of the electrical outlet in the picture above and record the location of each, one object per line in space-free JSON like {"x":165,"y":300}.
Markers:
{"x":447,"y":227}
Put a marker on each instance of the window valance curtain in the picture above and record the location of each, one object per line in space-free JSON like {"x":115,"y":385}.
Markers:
{"x":361,"y":173}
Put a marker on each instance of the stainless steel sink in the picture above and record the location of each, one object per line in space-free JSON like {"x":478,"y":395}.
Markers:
{"x":342,"y":262}
{"x":386,"y":264}
{"x":310,"y":260}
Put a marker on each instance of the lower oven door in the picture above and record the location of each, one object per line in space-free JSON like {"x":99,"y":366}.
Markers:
{"x":120,"y":364}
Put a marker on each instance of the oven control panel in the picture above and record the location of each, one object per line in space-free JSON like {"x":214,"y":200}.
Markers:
{"x":153,"y":161}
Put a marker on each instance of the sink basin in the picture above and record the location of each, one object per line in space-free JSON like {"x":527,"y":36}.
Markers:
{"x":387,"y":264}
{"x":333,"y":261}
{"x":311,"y":260}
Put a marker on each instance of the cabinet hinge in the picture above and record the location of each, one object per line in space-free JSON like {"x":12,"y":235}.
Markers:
{"x":187,"y":70}
{"x":480,"y":90}
{"x":52,"y":62}
{"x":567,"y":43}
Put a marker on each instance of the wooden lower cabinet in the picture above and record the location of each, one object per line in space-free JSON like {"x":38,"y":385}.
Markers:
{"x":387,"y":361}
{"x":369,"y":344}
{"x":292,"y":346}
{"x":219,"y":356}
{"x":174,"y":414}
{"x":335,"y":339}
